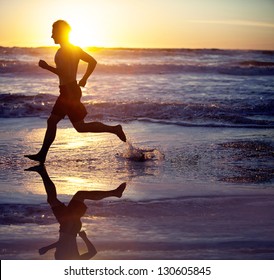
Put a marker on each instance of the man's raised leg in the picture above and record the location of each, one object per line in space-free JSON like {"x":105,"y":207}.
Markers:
{"x":98,"y":127}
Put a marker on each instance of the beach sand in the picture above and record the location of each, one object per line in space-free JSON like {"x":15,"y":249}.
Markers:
{"x":193,"y":200}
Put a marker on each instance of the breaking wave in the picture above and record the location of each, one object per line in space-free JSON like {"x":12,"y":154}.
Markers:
{"x":183,"y":114}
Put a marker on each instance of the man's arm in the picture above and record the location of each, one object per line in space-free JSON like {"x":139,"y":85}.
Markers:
{"x":91,"y":66}
{"x":44,"y":65}
{"x":91,"y":249}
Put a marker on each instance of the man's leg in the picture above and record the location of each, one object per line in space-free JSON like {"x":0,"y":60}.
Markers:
{"x":98,"y":195}
{"x":97,"y":127}
{"x":48,"y":139}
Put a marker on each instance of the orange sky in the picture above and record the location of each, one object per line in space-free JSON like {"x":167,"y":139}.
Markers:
{"x":231,"y":24}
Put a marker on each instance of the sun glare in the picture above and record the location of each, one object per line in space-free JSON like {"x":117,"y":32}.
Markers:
{"x":83,"y":35}
{"x":79,"y":37}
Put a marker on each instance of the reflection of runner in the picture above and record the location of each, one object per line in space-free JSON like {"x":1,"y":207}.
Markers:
{"x":68,"y":103}
{"x":69,"y":217}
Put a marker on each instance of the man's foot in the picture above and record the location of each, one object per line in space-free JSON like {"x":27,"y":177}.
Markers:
{"x":36,"y":157}
{"x":119,"y":191}
{"x":120,"y":133}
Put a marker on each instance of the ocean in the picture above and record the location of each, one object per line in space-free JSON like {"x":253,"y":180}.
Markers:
{"x":202,"y":121}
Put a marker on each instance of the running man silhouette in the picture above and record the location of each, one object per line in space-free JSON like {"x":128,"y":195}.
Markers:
{"x":68,"y":103}
{"x":69,"y":218}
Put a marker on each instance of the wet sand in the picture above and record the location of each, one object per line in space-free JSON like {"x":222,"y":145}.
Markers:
{"x":232,"y":227}
{"x":175,"y":207}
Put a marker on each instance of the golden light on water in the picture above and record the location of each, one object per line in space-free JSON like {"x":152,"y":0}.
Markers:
{"x":75,"y":161}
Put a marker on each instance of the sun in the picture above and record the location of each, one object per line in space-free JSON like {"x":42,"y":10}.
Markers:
{"x":79,"y":34}
{"x":84,"y":35}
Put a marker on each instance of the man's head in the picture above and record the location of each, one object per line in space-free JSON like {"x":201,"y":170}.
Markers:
{"x":60,"y":31}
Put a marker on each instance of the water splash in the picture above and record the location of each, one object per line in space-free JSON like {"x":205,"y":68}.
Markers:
{"x":141,"y":154}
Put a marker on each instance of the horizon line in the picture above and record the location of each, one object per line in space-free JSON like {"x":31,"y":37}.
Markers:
{"x":143,"y":48}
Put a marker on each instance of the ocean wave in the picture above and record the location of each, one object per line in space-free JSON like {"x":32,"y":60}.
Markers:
{"x":183,"y":114}
{"x":256,"y":63}
{"x":258,"y":125}
{"x":16,"y":67}
{"x":248,"y":67}
{"x":16,"y":106}
{"x":258,"y":68}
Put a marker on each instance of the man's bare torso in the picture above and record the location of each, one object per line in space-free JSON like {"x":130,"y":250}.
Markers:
{"x":67,"y":60}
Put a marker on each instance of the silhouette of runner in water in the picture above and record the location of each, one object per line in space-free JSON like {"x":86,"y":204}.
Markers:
{"x":68,"y":103}
{"x":69,"y":218}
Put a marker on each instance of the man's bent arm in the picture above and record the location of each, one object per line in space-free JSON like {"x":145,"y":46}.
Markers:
{"x":91,"y":66}
{"x":91,"y":249}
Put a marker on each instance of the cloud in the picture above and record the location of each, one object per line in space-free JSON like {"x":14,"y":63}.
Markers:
{"x":235,"y":22}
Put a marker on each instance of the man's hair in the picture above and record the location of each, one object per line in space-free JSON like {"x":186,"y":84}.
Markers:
{"x":62,"y":25}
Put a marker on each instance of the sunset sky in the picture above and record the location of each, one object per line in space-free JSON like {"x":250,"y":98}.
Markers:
{"x":229,"y":24}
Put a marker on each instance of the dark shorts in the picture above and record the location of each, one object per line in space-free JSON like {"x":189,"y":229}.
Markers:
{"x":69,"y":217}
{"x":68,"y":103}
